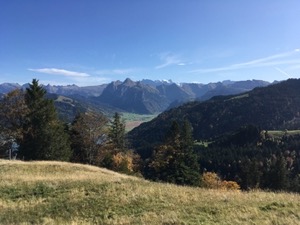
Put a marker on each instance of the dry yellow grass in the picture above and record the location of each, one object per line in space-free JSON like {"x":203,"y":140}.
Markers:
{"x":55,"y":171}
{"x":65,"y":193}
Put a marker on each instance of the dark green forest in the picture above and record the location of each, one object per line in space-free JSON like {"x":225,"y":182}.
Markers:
{"x":231,"y":136}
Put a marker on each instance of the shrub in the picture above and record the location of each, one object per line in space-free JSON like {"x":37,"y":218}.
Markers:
{"x":213,"y":181}
{"x":126,"y":162}
{"x":230,"y":185}
{"x":123,"y":162}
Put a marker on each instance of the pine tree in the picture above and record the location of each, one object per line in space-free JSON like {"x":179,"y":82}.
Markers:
{"x":44,"y":137}
{"x":250,"y":173}
{"x":118,"y":157}
{"x":175,"y":160}
{"x":190,"y":168}
{"x":279,"y":174}
{"x":187,"y":141}
{"x":117,"y":133}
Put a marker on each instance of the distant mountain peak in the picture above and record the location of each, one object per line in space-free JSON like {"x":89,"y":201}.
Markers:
{"x":129,"y":82}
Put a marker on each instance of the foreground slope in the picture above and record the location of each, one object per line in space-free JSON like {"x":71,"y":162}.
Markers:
{"x":65,"y":193}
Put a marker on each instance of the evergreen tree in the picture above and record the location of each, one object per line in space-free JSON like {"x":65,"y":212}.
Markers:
{"x":175,"y":160}
{"x":189,"y":163}
{"x":116,"y":154}
{"x":187,"y":140}
{"x":250,"y":174}
{"x":44,"y":137}
{"x":279,"y":174}
{"x":117,"y":133}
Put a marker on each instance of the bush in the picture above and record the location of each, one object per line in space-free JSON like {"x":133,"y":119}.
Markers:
{"x":123,"y":162}
{"x":213,"y":181}
{"x":230,"y":185}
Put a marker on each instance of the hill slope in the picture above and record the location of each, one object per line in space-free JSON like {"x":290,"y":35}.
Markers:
{"x":65,"y":193}
{"x":274,"y":107}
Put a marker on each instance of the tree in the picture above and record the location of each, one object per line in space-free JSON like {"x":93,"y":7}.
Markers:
{"x":187,"y":140}
{"x":175,"y":160}
{"x":44,"y":137}
{"x":12,"y":116}
{"x":117,"y":133}
{"x":116,"y":154}
{"x":87,"y":137}
{"x":251,"y":173}
{"x":277,"y":176}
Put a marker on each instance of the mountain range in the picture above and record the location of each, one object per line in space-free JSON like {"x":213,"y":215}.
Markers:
{"x":141,"y":97}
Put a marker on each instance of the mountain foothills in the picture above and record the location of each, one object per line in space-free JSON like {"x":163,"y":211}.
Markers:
{"x":248,"y":139}
{"x":141,"y":97}
{"x":252,"y":138}
{"x":274,"y":107}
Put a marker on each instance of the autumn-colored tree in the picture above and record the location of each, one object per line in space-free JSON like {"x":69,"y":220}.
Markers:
{"x":88,"y":136}
{"x":12,"y":116}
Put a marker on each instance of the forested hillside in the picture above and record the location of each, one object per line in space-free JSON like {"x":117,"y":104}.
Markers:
{"x":274,"y":107}
{"x":235,"y":138}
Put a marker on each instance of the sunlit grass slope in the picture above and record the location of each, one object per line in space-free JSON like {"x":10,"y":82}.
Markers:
{"x":65,"y":193}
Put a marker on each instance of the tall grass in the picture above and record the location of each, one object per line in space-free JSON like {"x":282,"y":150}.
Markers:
{"x":65,"y":193}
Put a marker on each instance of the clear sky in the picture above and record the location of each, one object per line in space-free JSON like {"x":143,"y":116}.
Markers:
{"x":90,"y":42}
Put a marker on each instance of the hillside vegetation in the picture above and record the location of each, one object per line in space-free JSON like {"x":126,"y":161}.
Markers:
{"x":64,"y":193}
{"x":271,"y":108}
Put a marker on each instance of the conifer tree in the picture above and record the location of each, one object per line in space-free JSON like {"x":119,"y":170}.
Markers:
{"x":118,"y":156}
{"x":117,"y":133}
{"x":278,"y":175}
{"x":44,"y":137}
{"x":175,"y":160}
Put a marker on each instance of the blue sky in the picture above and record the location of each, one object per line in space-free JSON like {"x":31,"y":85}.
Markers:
{"x":90,"y":42}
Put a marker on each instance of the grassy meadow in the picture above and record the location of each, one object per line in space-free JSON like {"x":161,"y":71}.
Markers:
{"x":133,"y":120}
{"x":65,"y":193}
{"x":277,"y":134}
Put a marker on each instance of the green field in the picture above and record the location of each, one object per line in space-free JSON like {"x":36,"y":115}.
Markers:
{"x":133,"y":120}
{"x":281,"y":133}
{"x":65,"y":193}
